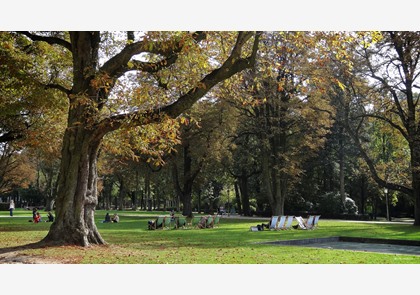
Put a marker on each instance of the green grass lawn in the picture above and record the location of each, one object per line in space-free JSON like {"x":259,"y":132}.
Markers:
{"x":231,"y":243}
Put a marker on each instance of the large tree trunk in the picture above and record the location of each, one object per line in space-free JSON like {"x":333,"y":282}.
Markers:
{"x":188,"y":180}
{"x":77,"y":193}
{"x":274,"y":185}
{"x":184,"y":187}
{"x":416,"y":194}
{"x":187,"y":205}
{"x":77,"y":188}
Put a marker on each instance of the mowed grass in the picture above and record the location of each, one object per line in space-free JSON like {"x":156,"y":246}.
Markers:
{"x":129,"y":242}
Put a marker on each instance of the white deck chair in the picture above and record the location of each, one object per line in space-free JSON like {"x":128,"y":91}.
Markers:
{"x":316,"y":221}
{"x":289,"y":221}
{"x":310,"y":222}
{"x":273,"y":222}
{"x":282,"y":220}
{"x":301,"y":223}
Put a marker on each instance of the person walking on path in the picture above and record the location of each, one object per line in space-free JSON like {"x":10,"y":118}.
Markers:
{"x":11,"y":207}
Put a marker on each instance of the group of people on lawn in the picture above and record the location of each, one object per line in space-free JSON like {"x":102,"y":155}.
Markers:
{"x":36,"y":216}
{"x":114,"y":219}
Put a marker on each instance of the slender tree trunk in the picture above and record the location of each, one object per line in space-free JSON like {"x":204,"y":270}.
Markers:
{"x":199,"y":201}
{"x":121,"y":195}
{"x":49,"y":196}
{"x":415,"y":172}
{"x":147,"y":191}
{"x":243,"y":186}
{"x":238,"y":197}
{"x":362,"y":194}
{"x":341,"y":165}
{"x":135,"y":193}
{"x":107,"y":193}
{"x":133,"y":197}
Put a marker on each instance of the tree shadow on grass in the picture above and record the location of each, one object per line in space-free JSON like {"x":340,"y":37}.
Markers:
{"x":31,"y":246}
{"x":16,"y":255}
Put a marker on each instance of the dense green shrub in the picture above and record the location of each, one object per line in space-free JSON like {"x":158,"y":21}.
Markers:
{"x":297,"y":203}
{"x":4,"y":206}
{"x":330,"y":203}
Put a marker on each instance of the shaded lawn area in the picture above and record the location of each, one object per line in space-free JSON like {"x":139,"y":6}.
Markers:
{"x":231,"y":243}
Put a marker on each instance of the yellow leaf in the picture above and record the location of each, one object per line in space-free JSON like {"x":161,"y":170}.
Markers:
{"x":341,"y":85}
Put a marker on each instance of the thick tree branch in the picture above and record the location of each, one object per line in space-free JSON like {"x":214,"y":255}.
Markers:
{"x":117,"y":65}
{"x":130,"y":36}
{"x":49,"y":40}
{"x":371,"y":165}
{"x":10,"y":136}
{"x":388,"y":87}
{"x":148,"y":67}
{"x":234,"y":64}
{"x":58,"y":87}
{"x":387,"y":120}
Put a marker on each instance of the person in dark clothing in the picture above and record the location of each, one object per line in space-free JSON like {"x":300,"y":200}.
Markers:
{"x":50,"y":217}
{"x":107,"y":218}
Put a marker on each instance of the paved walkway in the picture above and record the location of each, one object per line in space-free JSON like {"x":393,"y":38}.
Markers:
{"x":367,"y":247}
{"x":379,"y":220}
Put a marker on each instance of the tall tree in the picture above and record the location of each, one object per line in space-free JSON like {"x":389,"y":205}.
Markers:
{"x":112,"y":83}
{"x":391,"y":61}
{"x":202,"y":143}
{"x":289,"y":113}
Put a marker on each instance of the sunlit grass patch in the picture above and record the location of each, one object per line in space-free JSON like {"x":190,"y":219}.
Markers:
{"x":129,"y":242}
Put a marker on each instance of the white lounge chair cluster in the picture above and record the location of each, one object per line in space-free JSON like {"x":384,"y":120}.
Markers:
{"x":310,"y":223}
{"x":284,"y":222}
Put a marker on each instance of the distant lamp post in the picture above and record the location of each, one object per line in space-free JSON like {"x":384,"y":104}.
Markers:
{"x":387,"y":204}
